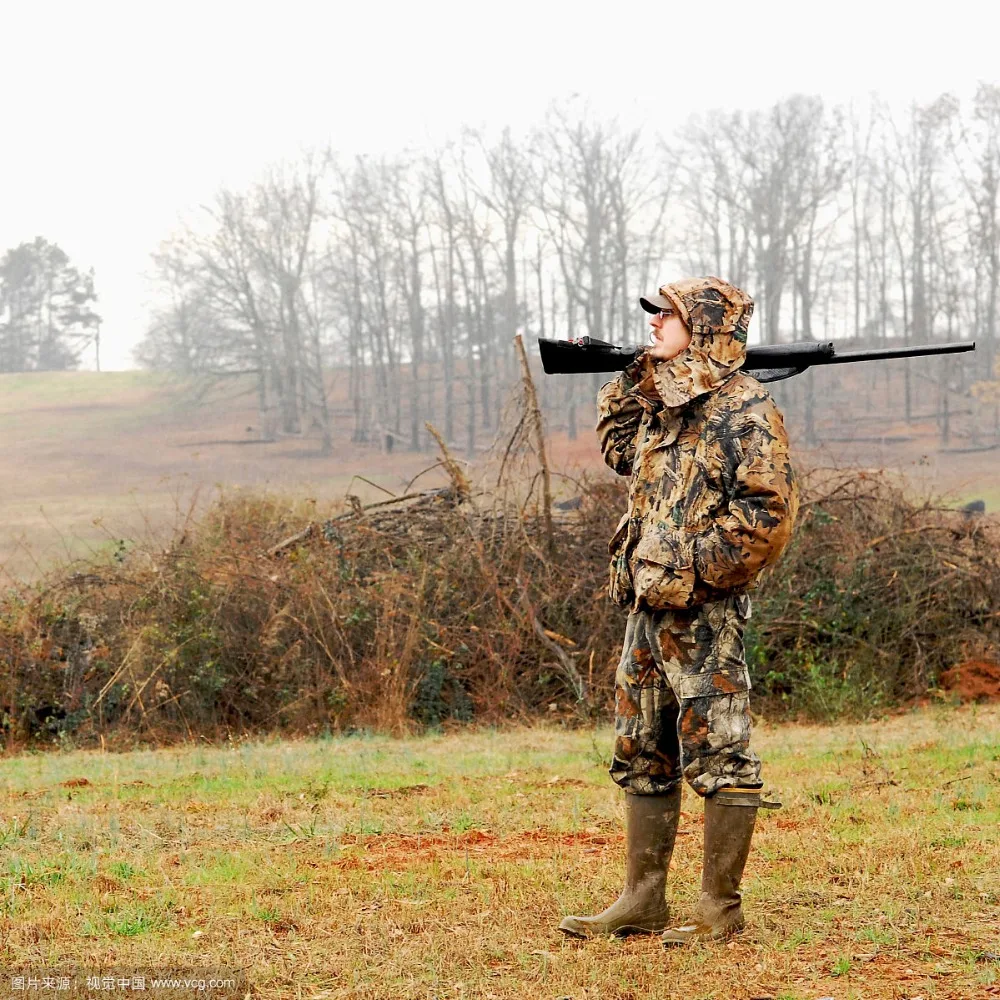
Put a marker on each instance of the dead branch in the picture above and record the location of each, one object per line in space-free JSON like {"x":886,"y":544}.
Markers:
{"x":875,"y":542}
{"x":458,"y":478}
{"x":535,"y":413}
{"x":565,"y":659}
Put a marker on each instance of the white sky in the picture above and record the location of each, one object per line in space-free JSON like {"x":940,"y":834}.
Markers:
{"x":118,"y":117}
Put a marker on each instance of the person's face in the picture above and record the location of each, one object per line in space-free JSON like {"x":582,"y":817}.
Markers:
{"x":669,"y":335}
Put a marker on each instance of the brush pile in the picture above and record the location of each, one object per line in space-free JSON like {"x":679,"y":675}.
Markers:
{"x":450,"y":605}
{"x":878,"y":598}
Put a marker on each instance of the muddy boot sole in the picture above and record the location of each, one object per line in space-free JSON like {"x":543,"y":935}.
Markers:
{"x":575,"y":927}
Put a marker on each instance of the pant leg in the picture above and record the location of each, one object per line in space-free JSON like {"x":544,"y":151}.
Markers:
{"x":702,"y":653}
{"x":647,"y":754}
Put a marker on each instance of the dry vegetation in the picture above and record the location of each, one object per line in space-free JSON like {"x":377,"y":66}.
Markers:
{"x":439,"y":866}
{"x":450,"y":605}
{"x":437,"y":606}
{"x":92,"y":458}
{"x":353,"y":865}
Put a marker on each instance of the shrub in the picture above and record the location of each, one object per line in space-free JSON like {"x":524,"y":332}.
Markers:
{"x":449,"y":607}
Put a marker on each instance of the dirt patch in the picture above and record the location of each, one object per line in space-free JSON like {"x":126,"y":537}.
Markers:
{"x":787,"y":824}
{"x":406,"y":850}
{"x":973,"y":680}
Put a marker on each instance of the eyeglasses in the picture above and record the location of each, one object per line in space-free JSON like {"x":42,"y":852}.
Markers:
{"x":665,"y":313}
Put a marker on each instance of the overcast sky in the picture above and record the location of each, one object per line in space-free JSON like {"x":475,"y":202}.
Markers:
{"x":117,"y":118}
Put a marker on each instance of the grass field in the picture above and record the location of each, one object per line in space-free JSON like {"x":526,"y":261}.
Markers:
{"x":439,"y":866}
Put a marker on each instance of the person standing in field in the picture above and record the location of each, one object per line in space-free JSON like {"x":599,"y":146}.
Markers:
{"x":712,"y":502}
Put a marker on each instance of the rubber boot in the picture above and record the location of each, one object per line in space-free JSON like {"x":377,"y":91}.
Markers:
{"x":650,"y":830}
{"x":729,"y":821}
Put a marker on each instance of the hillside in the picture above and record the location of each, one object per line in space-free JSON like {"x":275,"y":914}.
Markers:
{"x":91,"y":458}
{"x":95,"y":457}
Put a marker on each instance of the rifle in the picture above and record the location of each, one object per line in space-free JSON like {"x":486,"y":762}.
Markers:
{"x":769,"y":363}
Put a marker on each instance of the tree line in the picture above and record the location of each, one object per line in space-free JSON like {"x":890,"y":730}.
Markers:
{"x":380,"y":293}
{"x":47,"y":309}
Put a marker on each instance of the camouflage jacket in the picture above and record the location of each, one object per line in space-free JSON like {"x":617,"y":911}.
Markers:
{"x":712,"y":497}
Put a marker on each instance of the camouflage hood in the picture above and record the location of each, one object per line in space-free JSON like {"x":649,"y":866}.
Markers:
{"x":717,"y":315}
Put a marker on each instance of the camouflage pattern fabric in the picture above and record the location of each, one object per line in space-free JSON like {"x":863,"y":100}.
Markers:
{"x":717,"y":316}
{"x":682,"y":701}
{"x":713,"y":497}
{"x":711,"y":306}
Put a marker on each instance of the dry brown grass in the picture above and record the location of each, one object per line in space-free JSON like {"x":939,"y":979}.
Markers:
{"x":91,"y":458}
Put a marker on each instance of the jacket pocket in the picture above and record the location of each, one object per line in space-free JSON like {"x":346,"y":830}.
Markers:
{"x":619,"y":578}
{"x":619,"y":536}
{"x":664,"y":576}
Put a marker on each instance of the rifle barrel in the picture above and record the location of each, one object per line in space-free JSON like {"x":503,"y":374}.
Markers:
{"x":886,"y":353}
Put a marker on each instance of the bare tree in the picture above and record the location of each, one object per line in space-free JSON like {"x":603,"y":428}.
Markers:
{"x":413,"y":272}
{"x":981,"y":179}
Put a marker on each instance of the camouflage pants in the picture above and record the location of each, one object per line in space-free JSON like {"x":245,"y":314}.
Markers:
{"x":682,"y":703}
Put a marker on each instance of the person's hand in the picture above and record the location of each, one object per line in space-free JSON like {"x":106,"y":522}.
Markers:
{"x":641,"y":374}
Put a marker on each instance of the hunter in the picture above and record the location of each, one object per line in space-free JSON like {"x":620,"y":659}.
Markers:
{"x":712,"y":502}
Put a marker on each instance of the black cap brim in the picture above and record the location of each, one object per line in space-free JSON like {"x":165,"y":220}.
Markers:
{"x":655,"y":302}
